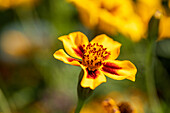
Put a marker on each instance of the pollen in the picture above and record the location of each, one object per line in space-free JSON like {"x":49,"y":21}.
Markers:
{"x":93,"y":56}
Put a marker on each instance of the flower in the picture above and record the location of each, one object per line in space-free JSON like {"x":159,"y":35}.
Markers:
{"x":97,"y":58}
{"x":111,"y":16}
{"x":148,"y":8}
{"x":120,"y":15}
{"x":164,"y":27}
{"x":117,"y":102}
{"x":110,"y":106}
{"x":123,"y":107}
{"x":130,"y":100}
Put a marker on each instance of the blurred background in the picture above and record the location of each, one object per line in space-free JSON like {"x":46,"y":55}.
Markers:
{"x":33,"y":81}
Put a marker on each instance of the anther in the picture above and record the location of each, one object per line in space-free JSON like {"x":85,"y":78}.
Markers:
{"x":94,"y":54}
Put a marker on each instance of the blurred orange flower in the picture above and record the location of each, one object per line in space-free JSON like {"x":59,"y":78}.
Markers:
{"x":111,"y":16}
{"x":97,"y":58}
{"x":5,"y":4}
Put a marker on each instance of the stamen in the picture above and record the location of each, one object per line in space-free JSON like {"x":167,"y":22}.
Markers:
{"x":93,"y":56}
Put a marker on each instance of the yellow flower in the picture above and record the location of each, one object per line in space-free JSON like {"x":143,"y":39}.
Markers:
{"x":147,"y":8}
{"x":120,"y":15}
{"x":100,"y":106}
{"x":88,"y":15}
{"x":164,"y":27}
{"x":96,"y":58}
{"x":111,"y":16}
{"x":132,"y":101}
{"x":110,"y":106}
{"x":123,"y":107}
{"x":116,"y":102}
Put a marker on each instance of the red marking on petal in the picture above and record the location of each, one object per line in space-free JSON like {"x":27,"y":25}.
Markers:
{"x":71,"y":59}
{"x":92,"y":74}
{"x":110,"y":70}
{"x":106,"y":57}
{"x":79,"y":51}
{"x":111,"y":65}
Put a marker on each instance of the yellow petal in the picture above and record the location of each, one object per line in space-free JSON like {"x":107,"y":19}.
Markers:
{"x":164,"y":28}
{"x":112,"y":46}
{"x":119,"y":7}
{"x":131,"y":27}
{"x":88,"y":11}
{"x":119,"y":70}
{"x":147,"y":8}
{"x":61,"y":55}
{"x":73,"y":43}
{"x":92,"y":79}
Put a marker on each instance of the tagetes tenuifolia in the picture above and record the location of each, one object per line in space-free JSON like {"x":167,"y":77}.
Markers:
{"x":96,"y":58}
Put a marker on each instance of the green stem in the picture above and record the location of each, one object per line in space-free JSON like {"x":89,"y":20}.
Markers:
{"x":150,"y":82}
{"x":79,"y":105}
{"x":83,"y":93}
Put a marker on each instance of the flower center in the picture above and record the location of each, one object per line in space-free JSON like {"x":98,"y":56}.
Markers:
{"x":94,"y":55}
{"x":125,"y":107}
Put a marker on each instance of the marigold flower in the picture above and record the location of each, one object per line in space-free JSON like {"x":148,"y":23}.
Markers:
{"x":110,"y":106}
{"x":97,"y":58}
{"x":116,"y":102}
{"x":111,"y":16}
{"x":132,"y":101}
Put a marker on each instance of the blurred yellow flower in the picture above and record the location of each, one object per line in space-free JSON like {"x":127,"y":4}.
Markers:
{"x":120,"y":15}
{"x":110,"y":106}
{"x":5,"y":4}
{"x":164,"y":27}
{"x":116,"y":102}
{"x":88,"y":11}
{"x":111,"y":16}
{"x":123,"y":107}
{"x":147,"y":8}
{"x":97,"y":58}
{"x":132,"y":101}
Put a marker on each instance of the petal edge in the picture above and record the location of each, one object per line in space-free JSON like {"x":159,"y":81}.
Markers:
{"x":61,"y":55}
{"x":73,"y":43}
